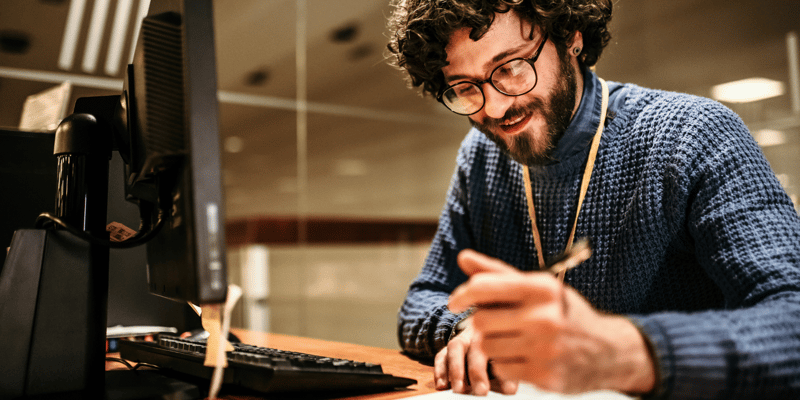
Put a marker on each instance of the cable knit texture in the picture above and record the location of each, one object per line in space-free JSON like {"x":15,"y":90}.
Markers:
{"x":694,"y":240}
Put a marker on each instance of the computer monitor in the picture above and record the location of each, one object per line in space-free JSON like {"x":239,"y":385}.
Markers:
{"x":164,"y":125}
{"x":171,"y":147}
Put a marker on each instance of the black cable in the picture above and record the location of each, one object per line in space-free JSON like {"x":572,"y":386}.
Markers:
{"x":140,"y":238}
{"x":132,"y":367}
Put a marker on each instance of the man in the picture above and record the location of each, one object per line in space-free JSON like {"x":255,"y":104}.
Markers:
{"x":693,"y":286}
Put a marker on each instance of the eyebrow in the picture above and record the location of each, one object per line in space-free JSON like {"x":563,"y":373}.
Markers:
{"x":497,"y":58}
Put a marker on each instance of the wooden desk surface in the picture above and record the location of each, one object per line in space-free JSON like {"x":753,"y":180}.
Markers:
{"x":392,"y":361}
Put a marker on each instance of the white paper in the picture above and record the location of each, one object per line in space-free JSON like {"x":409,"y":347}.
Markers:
{"x":527,"y":391}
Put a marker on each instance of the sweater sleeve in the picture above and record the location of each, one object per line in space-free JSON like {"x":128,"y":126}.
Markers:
{"x":424,"y":322}
{"x":746,"y":235}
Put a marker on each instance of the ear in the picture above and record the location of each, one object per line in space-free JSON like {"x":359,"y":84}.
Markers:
{"x":577,"y":41}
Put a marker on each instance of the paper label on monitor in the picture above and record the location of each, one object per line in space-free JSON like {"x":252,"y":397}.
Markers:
{"x":119,"y":232}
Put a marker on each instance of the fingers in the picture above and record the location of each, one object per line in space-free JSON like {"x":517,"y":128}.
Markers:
{"x":450,"y":366}
{"x":462,"y":366}
{"x":505,"y":289}
{"x":472,"y":262}
{"x":440,"y":371}
{"x":477,"y":365}
{"x":541,"y":318}
{"x":504,"y":386}
{"x":455,"y":360}
{"x":521,"y":350}
{"x":551,"y":378}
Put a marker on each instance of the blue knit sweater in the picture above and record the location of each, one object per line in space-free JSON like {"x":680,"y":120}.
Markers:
{"x":694,"y":240}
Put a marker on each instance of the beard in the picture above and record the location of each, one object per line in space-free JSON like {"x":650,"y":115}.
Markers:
{"x":536,"y":148}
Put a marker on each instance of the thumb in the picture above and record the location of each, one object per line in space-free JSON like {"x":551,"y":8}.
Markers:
{"x":472,"y":262}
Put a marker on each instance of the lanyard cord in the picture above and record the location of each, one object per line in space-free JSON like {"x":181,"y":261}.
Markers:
{"x":587,"y":175}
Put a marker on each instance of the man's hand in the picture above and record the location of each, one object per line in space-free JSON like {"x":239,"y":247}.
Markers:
{"x":535,"y":329}
{"x":463,"y":367}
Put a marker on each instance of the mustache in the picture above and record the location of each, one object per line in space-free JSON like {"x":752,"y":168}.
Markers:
{"x":536,"y":105}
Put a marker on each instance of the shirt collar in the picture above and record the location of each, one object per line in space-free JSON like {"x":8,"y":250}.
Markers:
{"x":584,"y":124}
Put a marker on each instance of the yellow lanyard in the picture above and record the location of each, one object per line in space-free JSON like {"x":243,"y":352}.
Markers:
{"x":587,"y":175}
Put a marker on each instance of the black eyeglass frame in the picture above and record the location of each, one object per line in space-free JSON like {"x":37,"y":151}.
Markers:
{"x":479,"y":84}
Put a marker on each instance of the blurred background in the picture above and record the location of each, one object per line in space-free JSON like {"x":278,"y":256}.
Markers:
{"x":330,"y":209}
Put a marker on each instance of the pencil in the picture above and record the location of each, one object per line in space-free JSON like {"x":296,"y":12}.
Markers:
{"x":579,"y":252}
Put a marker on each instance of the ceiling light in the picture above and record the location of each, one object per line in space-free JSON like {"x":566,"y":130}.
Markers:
{"x":747,"y":90}
{"x":769,"y":137}
{"x":144,"y":5}
{"x":121,"y":18}
{"x":96,"y":28}
{"x":70,"y":39}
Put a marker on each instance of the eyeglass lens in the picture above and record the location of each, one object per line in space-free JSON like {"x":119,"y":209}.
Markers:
{"x":513,"y":78}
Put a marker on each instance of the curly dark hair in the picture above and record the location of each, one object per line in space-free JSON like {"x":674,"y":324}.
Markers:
{"x":420,"y":30}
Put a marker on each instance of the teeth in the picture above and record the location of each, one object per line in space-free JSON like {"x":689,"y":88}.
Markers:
{"x":514,"y":121}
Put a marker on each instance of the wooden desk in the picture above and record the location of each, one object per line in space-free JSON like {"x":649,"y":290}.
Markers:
{"x":392,"y":361}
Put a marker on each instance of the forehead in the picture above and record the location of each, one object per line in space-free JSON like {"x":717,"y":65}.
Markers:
{"x":508,"y":31}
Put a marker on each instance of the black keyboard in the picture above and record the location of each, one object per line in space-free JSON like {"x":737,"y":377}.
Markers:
{"x":263,"y":369}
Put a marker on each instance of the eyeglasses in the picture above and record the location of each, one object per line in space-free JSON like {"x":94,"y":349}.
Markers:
{"x":513,"y":78}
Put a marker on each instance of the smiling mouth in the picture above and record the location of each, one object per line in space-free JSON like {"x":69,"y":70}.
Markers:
{"x":515,"y":125}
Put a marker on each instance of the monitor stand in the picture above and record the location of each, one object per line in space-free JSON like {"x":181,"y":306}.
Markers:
{"x":53,"y":291}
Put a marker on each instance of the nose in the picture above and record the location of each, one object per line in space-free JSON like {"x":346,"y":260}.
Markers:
{"x":496,"y":104}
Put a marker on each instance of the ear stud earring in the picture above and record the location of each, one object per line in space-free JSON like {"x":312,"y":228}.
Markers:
{"x":576,"y":50}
